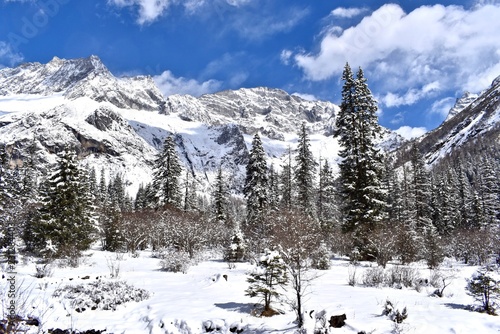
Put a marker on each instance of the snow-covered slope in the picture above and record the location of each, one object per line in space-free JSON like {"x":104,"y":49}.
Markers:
{"x":119,"y":123}
{"x":473,"y":117}
{"x":76,"y":78}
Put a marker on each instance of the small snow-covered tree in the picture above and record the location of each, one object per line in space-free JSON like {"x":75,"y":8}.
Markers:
{"x":236,"y":249}
{"x":484,"y":286}
{"x":266,"y":278}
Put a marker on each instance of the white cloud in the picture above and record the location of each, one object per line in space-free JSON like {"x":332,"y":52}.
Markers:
{"x":408,"y":132}
{"x":9,"y":57}
{"x":413,"y":56}
{"x":411,"y":96}
{"x":307,"y":97}
{"x":149,"y":10}
{"x":266,"y":23}
{"x":442,"y":107}
{"x":285,"y":56}
{"x":347,"y":12}
{"x":169,"y":84}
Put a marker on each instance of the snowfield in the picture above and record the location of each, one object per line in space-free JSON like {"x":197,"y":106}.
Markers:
{"x":211,"y":295}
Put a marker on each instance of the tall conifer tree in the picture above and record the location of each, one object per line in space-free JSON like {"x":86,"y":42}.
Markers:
{"x":361,"y":168}
{"x":166,"y":175}
{"x":305,"y":169}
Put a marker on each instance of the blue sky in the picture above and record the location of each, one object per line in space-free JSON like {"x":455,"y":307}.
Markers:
{"x":418,"y":56}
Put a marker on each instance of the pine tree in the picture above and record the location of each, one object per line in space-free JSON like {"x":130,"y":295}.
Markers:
{"x":190,"y":199}
{"x":256,"y":194}
{"x":326,"y":207}
{"x":267,"y":278}
{"x":361,"y":168}
{"x":274,"y":189}
{"x":286,"y":183}
{"x":304,"y":172}
{"x":166,"y":175}
{"x":66,"y":226}
{"x":220,"y":199}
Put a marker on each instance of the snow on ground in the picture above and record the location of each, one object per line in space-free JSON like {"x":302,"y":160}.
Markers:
{"x":184,"y":303}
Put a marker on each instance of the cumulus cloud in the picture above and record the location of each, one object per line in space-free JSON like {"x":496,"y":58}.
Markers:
{"x":409,"y":132}
{"x":348,"y":12}
{"x":8,"y":57}
{"x":411,"y":96}
{"x":149,"y":10}
{"x":414,"y":55}
{"x":169,"y":84}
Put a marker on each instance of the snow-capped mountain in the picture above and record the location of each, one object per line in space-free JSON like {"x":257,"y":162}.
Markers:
{"x":462,"y":103}
{"x":119,"y":123}
{"x":472,"y":117}
{"x":75,"y":78}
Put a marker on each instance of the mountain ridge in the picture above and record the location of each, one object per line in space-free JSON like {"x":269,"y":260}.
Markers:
{"x":120,"y":123}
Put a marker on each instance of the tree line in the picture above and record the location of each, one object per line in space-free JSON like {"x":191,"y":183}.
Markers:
{"x":380,"y":206}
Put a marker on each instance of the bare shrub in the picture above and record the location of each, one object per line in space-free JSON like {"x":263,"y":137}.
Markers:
{"x":352,"y":278}
{"x":298,"y":237}
{"x":441,"y":280}
{"x":374,"y":277}
{"x":402,"y":276}
{"x":383,"y":243}
{"x":114,"y":267}
{"x":44,"y":270}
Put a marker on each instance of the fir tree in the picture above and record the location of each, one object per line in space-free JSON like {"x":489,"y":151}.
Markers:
{"x":267,"y":278}
{"x":326,"y":196}
{"x":166,"y":175}
{"x":304,"y":173}
{"x":66,"y":226}
{"x":361,"y":168}
{"x":286,"y":183}
{"x":220,"y":199}
{"x":190,"y":200}
{"x":256,"y":194}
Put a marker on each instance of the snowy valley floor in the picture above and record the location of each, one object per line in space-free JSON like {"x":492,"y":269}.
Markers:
{"x":184,"y":303}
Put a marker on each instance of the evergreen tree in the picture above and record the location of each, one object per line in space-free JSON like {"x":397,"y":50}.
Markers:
{"x":274,"y":189}
{"x":286,"y":183}
{"x":190,"y":200}
{"x":361,"y":168}
{"x":304,"y":172}
{"x":266,"y":279}
{"x":66,"y":226}
{"x":220,"y":199}
{"x":256,"y":194}
{"x":166,"y":175}
{"x":326,"y":207}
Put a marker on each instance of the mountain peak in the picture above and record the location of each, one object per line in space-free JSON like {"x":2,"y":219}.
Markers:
{"x":461,"y":103}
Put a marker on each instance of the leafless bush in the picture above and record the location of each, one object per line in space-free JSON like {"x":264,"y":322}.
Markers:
{"x":44,"y":270}
{"x":352,"y":278}
{"x":114,"y":267}
{"x":374,"y":277}
{"x":402,"y":276}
